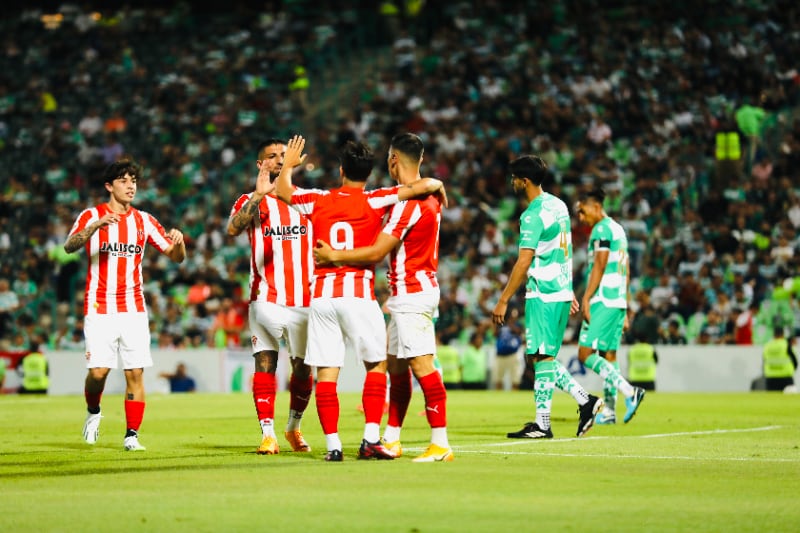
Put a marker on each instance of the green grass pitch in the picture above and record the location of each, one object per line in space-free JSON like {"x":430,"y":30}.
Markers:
{"x":687,"y":462}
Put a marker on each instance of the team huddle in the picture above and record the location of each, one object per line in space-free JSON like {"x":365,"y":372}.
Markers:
{"x":311,"y":285}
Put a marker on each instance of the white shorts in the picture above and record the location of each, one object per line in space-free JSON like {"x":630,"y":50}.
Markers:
{"x":411,"y":331}
{"x":126,"y":335}
{"x":270,"y":322}
{"x":336,"y":324}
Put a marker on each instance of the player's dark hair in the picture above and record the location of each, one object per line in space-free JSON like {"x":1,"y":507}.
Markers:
{"x":357,"y":160}
{"x":409,"y":145}
{"x":595,"y":193}
{"x":268,"y":142}
{"x":118,"y":169}
{"x":529,"y":167}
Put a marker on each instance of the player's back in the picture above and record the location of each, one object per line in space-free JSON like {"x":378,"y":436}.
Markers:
{"x":348,"y":218}
{"x":415,"y":261}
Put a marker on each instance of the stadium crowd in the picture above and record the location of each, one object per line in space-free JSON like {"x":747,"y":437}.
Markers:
{"x":685,"y":112}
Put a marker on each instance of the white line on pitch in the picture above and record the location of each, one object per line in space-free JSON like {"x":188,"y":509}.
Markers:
{"x":619,"y":456}
{"x":520,"y":442}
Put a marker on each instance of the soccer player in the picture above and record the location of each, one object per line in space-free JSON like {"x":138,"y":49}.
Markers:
{"x":411,"y":236}
{"x":116,"y":323}
{"x":605,"y":303}
{"x":545,"y":258}
{"x":280,"y":269}
{"x":344,"y":311}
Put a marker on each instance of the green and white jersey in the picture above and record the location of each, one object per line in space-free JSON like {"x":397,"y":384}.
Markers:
{"x":545,"y":228}
{"x":607,"y":234}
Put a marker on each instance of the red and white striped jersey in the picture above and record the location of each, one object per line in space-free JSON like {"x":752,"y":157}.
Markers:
{"x":413,"y":264}
{"x":114,"y":280}
{"x":280,"y":253}
{"x":346,"y":218}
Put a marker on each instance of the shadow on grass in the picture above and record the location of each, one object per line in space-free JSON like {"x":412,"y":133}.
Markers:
{"x":108,"y":459}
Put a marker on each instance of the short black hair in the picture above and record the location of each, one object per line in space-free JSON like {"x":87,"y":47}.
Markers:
{"x":118,"y":169}
{"x":268,"y":142}
{"x":595,"y":193}
{"x":408,"y":144}
{"x":357,"y":160}
{"x":530,"y":167}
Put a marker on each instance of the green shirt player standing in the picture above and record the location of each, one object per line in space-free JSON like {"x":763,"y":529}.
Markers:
{"x":605,"y":304}
{"x":545,"y":261}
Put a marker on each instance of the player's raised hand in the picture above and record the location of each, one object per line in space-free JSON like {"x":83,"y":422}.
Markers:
{"x":264,"y":183}
{"x":294,"y":152}
{"x":322,"y":253}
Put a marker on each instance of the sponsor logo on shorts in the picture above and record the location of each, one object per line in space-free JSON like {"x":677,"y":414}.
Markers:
{"x":254,"y":340}
{"x":88,"y":356}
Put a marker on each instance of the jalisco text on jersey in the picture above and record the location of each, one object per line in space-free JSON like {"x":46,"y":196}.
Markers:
{"x":121,"y":247}
{"x":281,"y":231}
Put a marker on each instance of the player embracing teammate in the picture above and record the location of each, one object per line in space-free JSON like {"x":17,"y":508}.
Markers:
{"x":344,"y":312}
{"x":411,"y":237}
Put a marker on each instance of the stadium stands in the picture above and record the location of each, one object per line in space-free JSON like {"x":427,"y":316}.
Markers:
{"x":686,"y":112}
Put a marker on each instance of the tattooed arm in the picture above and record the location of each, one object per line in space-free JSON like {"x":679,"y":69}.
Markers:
{"x":238,"y":222}
{"x":264,"y":185}
{"x":74,"y":242}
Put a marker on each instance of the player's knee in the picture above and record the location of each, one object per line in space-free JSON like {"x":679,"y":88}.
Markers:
{"x":266,"y":361}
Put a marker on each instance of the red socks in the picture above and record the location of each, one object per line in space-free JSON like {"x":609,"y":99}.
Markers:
{"x":92,"y":399}
{"x":134,"y":412}
{"x":435,"y":399}
{"x":373,"y":397}
{"x":300,"y":392}
{"x":399,"y":397}
{"x":264,"y":395}
{"x":327,"y":406}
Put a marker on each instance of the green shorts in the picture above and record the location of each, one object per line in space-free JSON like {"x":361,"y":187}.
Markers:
{"x":605,"y":330}
{"x":545,"y":323}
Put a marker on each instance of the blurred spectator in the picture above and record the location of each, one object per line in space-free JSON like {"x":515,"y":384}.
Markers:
{"x":449,"y":359}
{"x":642,"y":359}
{"x":228,"y":325}
{"x":645,"y":324}
{"x":507,"y":362}
{"x":673,"y":334}
{"x":474,"y":363}
{"x":34,"y":373}
{"x":9,"y":302}
{"x":179,"y":381}
{"x":780,"y":361}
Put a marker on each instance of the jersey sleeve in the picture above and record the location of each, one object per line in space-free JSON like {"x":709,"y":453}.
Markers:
{"x":237,"y":206}
{"x":383,"y":198}
{"x":601,"y":237}
{"x":87,"y":217}
{"x":530,"y":231}
{"x":304,"y":200}
{"x":155,"y":233}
